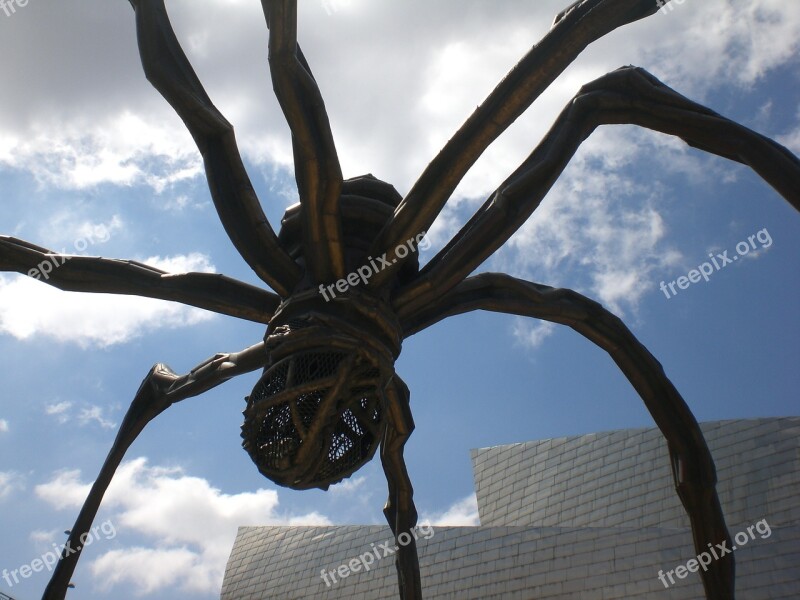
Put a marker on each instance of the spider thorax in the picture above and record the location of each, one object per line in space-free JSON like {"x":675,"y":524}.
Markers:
{"x":319,"y":411}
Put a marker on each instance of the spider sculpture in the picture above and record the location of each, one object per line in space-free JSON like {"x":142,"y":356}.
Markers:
{"x":328,"y":397}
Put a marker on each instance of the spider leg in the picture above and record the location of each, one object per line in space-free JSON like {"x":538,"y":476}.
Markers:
{"x":168,"y":69}
{"x":210,"y":291}
{"x":317,"y":169}
{"x":159,"y":390}
{"x":573,"y":30}
{"x":629,"y":95}
{"x":399,"y":510}
{"x":693,"y":468}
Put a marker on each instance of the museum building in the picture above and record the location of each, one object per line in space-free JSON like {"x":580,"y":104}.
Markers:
{"x":592,"y":517}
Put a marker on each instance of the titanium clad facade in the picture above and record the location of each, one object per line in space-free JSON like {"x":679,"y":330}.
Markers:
{"x":591,"y":517}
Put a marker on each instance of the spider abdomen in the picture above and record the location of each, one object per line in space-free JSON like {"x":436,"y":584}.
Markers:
{"x":318,"y":412}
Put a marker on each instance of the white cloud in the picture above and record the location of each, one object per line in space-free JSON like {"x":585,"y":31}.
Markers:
{"x":151,"y":569}
{"x":59,"y":410}
{"x":412,"y":101}
{"x":739,"y":40}
{"x":64,"y":488}
{"x":179,"y":203}
{"x":71,"y":232}
{"x":9,"y":483}
{"x":95,"y":414}
{"x":348,"y":487}
{"x":4,"y":426}
{"x":192,"y":525}
{"x":590,"y":223}
{"x":792,"y":139}
{"x":45,"y":538}
{"x":532,"y":333}
{"x":463,"y":513}
{"x":28,"y":308}
{"x":122,"y":149}
{"x":602,"y":228}
{"x":86,"y":414}
{"x":181,"y":264}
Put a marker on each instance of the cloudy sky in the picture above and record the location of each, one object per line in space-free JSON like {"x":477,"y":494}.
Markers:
{"x":93,"y":161}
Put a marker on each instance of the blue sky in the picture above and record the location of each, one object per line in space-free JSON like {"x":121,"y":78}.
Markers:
{"x":93,"y":161}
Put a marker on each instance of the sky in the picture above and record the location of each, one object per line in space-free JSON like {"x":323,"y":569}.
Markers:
{"x":93,"y":161}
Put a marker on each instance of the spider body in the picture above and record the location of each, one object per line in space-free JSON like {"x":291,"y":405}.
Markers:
{"x":318,"y":412}
{"x":348,"y":284}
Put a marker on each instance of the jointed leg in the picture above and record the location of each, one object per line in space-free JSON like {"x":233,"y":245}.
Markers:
{"x":692,"y":465}
{"x":628,"y":95}
{"x":159,"y":390}
{"x":400,"y":511}
{"x":317,"y":170}
{"x":573,"y":30}
{"x":210,"y":291}
{"x":168,"y":69}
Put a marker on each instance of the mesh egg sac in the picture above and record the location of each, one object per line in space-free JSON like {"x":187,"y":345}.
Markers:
{"x":290,"y":399}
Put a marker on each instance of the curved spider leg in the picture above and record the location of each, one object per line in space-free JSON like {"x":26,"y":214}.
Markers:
{"x":211,"y":291}
{"x":159,"y":390}
{"x":629,"y":95}
{"x":317,"y":169}
{"x":693,"y":468}
{"x":399,"y":510}
{"x":167,"y":68}
{"x":573,"y":30}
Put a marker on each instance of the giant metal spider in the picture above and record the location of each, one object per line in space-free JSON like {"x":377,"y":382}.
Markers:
{"x":329,"y":396}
